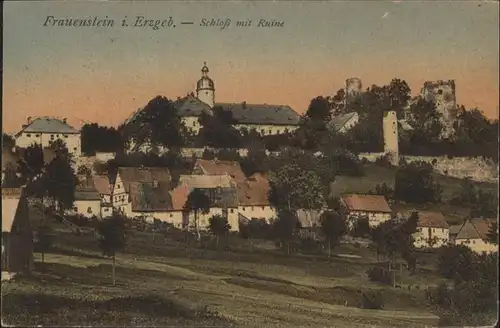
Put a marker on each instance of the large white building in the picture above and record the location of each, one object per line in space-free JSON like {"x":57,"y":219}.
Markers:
{"x":266,"y":119}
{"x":46,"y":130}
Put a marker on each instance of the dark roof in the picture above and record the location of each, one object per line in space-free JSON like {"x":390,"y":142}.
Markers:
{"x":143,"y":174}
{"x":428,"y":219}
{"x":146,"y":197}
{"x":244,"y":113}
{"x":475,"y":229}
{"x":48,"y":125}
{"x":87,"y":195}
{"x":191,"y":106}
{"x":338,"y":122}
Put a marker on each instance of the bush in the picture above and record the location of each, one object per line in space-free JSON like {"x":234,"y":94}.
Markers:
{"x":383,"y":161}
{"x":310,"y":246}
{"x":378,"y":274}
{"x":372,"y":300}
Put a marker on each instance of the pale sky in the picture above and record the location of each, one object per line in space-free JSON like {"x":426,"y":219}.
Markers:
{"x":103,"y":74}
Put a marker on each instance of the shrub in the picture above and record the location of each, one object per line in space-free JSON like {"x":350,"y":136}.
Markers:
{"x":383,"y":161}
{"x":372,"y":300}
{"x":378,"y":274}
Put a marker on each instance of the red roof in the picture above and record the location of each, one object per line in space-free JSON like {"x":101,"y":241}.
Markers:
{"x":101,"y":184}
{"x":366,"y":203}
{"x":429,"y":219}
{"x":179,"y":196}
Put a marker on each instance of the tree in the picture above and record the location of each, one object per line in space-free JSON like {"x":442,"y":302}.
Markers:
{"x":285,"y":227}
{"x":10,"y":178}
{"x":112,"y":237}
{"x":292,"y":188}
{"x":197,"y":202}
{"x":96,"y":138}
{"x":31,"y":165}
{"x":45,"y":239}
{"x":414,"y":183}
{"x":60,"y":181}
{"x":256,"y":160}
{"x":218,"y":226}
{"x":333,"y":227}
{"x":456,"y":262}
{"x":319,"y":110}
{"x":84,"y":170}
{"x":399,"y":94}
{"x":493,"y":233}
{"x":8,"y":141}
{"x":217,"y":130}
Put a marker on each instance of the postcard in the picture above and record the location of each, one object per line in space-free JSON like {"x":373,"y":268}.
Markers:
{"x":250,"y":163}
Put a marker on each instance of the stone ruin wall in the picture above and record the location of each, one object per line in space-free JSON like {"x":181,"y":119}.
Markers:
{"x":477,"y":168}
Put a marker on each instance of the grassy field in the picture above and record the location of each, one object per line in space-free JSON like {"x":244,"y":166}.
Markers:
{"x":375,"y":175}
{"x":243,"y":283}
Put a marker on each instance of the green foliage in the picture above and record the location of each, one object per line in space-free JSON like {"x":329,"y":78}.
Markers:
{"x":8,"y":141}
{"x":378,"y":274}
{"x":96,"y":138}
{"x":60,"y":181}
{"x":286,"y":227}
{"x":472,"y":298}
{"x":218,"y":225}
{"x":493,"y":233}
{"x":84,"y":170}
{"x":158,"y":123}
{"x":197,"y":202}
{"x":32,"y":164}
{"x":319,"y":110}
{"x":382,"y":190}
{"x":371,"y":299}
{"x":217,"y":130}
{"x":480,"y":203}
{"x":228,"y":155}
{"x":256,"y":160}
{"x":112,"y":234}
{"x":414,"y":183}
{"x":457,"y":262}
{"x":333,"y":227}
{"x":208,"y":154}
{"x":293,"y":188}
{"x":45,"y":239}
{"x":256,"y":229}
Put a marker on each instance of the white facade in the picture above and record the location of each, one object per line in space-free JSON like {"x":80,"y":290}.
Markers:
{"x":477,"y":245}
{"x":203,"y":219}
{"x":259,"y":212}
{"x":87,"y":208}
{"x":374,"y":218}
{"x":72,"y":140}
{"x":173,"y":217}
{"x":428,"y":237}
{"x":266,"y":130}
{"x":120,"y":198}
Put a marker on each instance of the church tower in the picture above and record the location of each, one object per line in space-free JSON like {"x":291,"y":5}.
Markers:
{"x":390,"y":130}
{"x":205,"y":88}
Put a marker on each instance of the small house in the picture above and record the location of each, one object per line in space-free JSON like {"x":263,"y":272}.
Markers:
{"x":432,"y":230}
{"x":372,"y":207}
{"x":474,"y":234}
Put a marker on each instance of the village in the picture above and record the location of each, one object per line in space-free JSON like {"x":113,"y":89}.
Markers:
{"x":210,"y":208}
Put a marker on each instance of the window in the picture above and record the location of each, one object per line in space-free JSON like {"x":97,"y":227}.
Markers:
{"x":433,"y":230}
{"x":28,"y":135}
{"x":74,"y":148}
{"x":51,"y":137}
{"x":473,"y":241}
{"x":232,"y":211}
{"x":171,"y":215}
{"x":106,"y":209}
{"x":66,"y":136}
{"x":118,"y":186}
{"x":270,"y":131}
{"x":194,"y":123}
{"x":89,"y":210}
{"x":263,"y":207}
{"x":242,"y":208}
{"x":75,"y":209}
{"x":37,"y":135}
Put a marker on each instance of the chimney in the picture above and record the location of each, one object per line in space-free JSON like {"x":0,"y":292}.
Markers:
{"x":244,"y":105}
{"x":29,"y":119}
{"x":64,"y":120}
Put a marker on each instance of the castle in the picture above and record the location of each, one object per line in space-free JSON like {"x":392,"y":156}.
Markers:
{"x":265,"y":119}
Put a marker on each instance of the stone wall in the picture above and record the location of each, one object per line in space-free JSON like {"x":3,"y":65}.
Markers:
{"x":477,"y":168}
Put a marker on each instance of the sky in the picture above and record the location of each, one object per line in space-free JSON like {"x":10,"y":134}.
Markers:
{"x":96,"y":74}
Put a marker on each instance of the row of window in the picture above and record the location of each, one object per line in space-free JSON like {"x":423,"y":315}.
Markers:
{"x":433,"y":229}
{"x":251,"y":208}
{"x":52,"y":136}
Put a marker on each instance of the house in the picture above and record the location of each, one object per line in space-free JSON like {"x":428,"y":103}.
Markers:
{"x":17,"y":235}
{"x":45,"y":130}
{"x":120,"y":196}
{"x":253,"y":201}
{"x":474,"y":234}
{"x":222,"y":192}
{"x":373,"y":207}
{"x":432,"y":230}
{"x":103,"y":187}
{"x":310,"y":223}
{"x":266,"y":119}
{"x":87,"y":200}
{"x":252,"y":191}
{"x":159,"y":201}
{"x":344,"y":122}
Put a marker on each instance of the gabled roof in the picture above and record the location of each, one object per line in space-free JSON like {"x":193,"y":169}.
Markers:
{"x":48,"y":125}
{"x":146,"y":197}
{"x":338,"y":122}
{"x":428,"y":219}
{"x":143,"y":174}
{"x":101,"y":184}
{"x":87,"y":195}
{"x":207,"y":181}
{"x":15,"y":212}
{"x":475,"y":229}
{"x":191,"y":106}
{"x":366,"y":203}
{"x":245,"y":113}
{"x":454,"y":229}
{"x":254,"y":191}
{"x":217,"y":167}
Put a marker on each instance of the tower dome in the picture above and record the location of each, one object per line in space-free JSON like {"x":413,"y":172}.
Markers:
{"x":205,"y":87}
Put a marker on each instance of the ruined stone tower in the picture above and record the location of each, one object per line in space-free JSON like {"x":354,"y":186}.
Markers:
{"x":442,"y":94}
{"x":390,"y":127}
{"x":353,"y":88}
